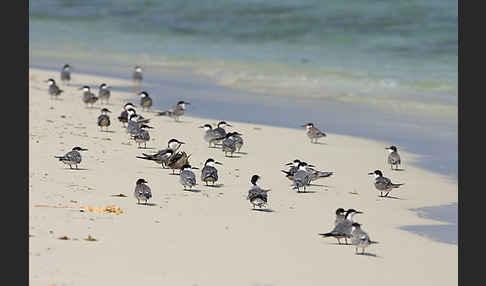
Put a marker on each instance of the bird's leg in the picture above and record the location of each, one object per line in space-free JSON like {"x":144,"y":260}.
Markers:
{"x":76,"y":166}
{"x":339,"y":240}
{"x":381,"y":194}
{"x":346,"y":240}
{"x":356,"y":251}
{"x":138,"y":201}
{"x":387,"y":194}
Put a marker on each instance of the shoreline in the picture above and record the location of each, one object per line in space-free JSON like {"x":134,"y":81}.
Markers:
{"x":415,"y":135}
{"x":215,"y":218}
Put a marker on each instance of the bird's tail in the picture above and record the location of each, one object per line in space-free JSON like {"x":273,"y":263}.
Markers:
{"x":397,"y":185}
{"x":326,"y":234}
{"x":59,"y":157}
{"x":146,"y":157}
{"x":324,"y":174}
{"x":286,"y":172}
{"x":373,"y":242}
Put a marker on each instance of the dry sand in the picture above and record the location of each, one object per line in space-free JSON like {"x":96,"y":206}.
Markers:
{"x":213,"y":237}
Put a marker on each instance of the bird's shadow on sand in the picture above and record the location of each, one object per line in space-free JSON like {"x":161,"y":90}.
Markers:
{"x":108,"y":131}
{"x":319,"y":143}
{"x":148,"y":204}
{"x":192,"y":190}
{"x":78,"y":169}
{"x":400,"y":170}
{"x":390,"y":197}
{"x":243,"y":153}
{"x":232,"y":156}
{"x":264,"y":210}
{"x":146,"y":148}
{"x":336,"y":243}
{"x":174,"y":174}
{"x":306,"y":192}
{"x":317,"y":185}
{"x":368,"y":254}
{"x":214,"y":186}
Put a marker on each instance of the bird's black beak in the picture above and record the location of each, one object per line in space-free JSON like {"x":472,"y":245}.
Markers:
{"x":229,"y":125}
{"x":195,"y":168}
{"x":83,"y":149}
{"x":370,"y":173}
{"x":358,"y":212}
{"x":303,"y":125}
{"x":289,"y":164}
{"x":311,"y":166}
{"x":218,"y":163}
{"x":181,"y":142}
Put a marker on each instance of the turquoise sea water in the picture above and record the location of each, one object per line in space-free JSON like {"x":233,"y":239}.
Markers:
{"x":399,"y":55}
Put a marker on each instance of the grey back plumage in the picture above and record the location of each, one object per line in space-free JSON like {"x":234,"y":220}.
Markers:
{"x":89,"y":97}
{"x":104,"y":94}
{"x":313,"y":133}
{"x":301,"y":179}
{"x":238,"y":142}
{"x":72,"y":157}
{"x":142,"y":192}
{"x":133,"y":127}
{"x":54,"y":90}
{"x":137,"y":76}
{"x":187,"y":178}
{"x":146,"y":102}
{"x":141,"y":136}
{"x":65,"y":75}
{"x":384,"y":184}
{"x":257,"y":193}
{"x":229,"y":145}
{"x":103,"y":120}
{"x":175,"y":112}
{"x":209,"y":173}
{"x":394,"y":158}
{"x":315,"y":174}
{"x":343,"y":228}
{"x":219,"y":131}
{"x":339,"y":218}
{"x":212,"y":135}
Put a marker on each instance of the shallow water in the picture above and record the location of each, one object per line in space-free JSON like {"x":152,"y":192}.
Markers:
{"x":447,"y":233}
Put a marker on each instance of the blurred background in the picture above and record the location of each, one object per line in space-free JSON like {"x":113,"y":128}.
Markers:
{"x":380,"y":69}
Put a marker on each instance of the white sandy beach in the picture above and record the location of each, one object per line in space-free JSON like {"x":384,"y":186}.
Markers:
{"x":213,"y":237}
